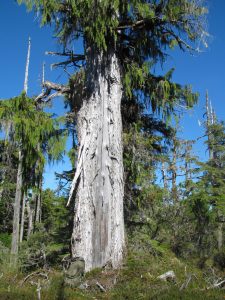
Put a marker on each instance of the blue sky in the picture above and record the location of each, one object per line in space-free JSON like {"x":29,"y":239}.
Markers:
{"x":203,"y":71}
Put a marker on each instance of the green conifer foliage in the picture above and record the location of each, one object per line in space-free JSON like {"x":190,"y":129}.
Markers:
{"x":207,"y":196}
{"x":122,"y":42}
{"x":138,"y":31}
{"x":30,"y":128}
{"x":214,"y":169}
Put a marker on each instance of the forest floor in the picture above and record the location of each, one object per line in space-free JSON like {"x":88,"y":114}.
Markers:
{"x":136,"y":280}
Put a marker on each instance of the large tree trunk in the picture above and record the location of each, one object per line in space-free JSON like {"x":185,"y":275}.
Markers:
{"x":16,"y":213}
{"x":98,"y":232}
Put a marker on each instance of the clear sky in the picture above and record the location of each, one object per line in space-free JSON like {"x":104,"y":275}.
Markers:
{"x":203,"y":71}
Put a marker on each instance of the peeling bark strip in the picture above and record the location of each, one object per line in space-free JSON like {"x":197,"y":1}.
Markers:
{"x":98,"y":232}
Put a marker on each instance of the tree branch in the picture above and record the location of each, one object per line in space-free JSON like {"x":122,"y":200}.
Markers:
{"x":73,"y":58}
{"x":48,"y":86}
{"x":70,"y":53}
{"x":131,"y":25}
{"x":65,"y":63}
{"x":182,"y":44}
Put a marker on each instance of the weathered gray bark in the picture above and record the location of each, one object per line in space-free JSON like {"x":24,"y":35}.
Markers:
{"x":37,"y":215}
{"x":164,"y":176}
{"x":16,"y":213}
{"x":27,"y":67}
{"x":22,"y":218}
{"x":38,"y":209}
{"x":98,"y":232}
{"x":30,"y":213}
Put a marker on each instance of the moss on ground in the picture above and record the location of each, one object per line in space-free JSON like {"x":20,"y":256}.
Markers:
{"x":136,"y":280}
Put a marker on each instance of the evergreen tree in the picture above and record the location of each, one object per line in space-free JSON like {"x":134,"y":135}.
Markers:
{"x":8,"y":164}
{"x":213,"y":177}
{"x":206,"y":196}
{"x":144,"y":144}
{"x":122,"y":40}
{"x":29,"y":128}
